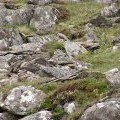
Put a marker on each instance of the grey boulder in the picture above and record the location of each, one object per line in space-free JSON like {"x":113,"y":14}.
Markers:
{"x":74,"y":48}
{"x":44,"y":19}
{"x":107,"y":110}
{"x":23,"y":99}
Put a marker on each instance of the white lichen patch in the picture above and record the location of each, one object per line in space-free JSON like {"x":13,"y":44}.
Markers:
{"x":100,"y":105}
{"x":28,"y":96}
{"x":70,"y":107}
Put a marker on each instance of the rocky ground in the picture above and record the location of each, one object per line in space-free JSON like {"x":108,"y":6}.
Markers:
{"x":59,"y":60}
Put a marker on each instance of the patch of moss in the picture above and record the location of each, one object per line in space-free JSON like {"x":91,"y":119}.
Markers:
{"x":54,"y":45}
{"x":26,"y":30}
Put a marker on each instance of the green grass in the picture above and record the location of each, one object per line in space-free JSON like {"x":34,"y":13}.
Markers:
{"x":54,"y":45}
{"x":102,"y":60}
{"x":21,"y":2}
{"x":81,"y":91}
{"x":26,"y":30}
{"x":80,"y":13}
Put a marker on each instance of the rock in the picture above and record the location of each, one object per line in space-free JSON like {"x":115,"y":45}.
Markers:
{"x":10,"y":5}
{"x":22,"y":15}
{"x":60,"y":58}
{"x":43,"y":19}
{"x":90,"y":41}
{"x":43,"y":40}
{"x":107,"y":110}
{"x":16,"y":17}
{"x":24,"y":75}
{"x":9,"y":37}
{"x":60,"y":1}
{"x":113,"y":77}
{"x":9,"y":81}
{"x":39,"y":2}
{"x":74,"y":48}
{"x":62,"y":73}
{"x":106,"y":1}
{"x":91,"y":37}
{"x":89,"y":27}
{"x":100,"y":21}
{"x":70,"y":107}
{"x":116,"y":48}
{"x":110,"y":11}
{"x":4,"y":66}
{"x":23,"y":99}
{"x":115,"y":19}
{"x":42,"y":115}
{"x":27,"y":47}
{"x":7,"y":116}
{"x":116,"y":41}
{"x":4,"y":45}
{"x":29,"y":61}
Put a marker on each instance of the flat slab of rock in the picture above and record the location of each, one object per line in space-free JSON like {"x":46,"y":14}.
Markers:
{"x":62,"y":73}
{"x":23,"y":99}
{"x":39,"y":2}
{"x":26,"y":47}
{"x":42,"y":115}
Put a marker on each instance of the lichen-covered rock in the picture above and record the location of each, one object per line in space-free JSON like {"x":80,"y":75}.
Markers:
{"x":59,"y":1}
{"x":7,"y":116}
{"x":23,"y":99}
{"x":9,"y":37}
{"x":70,"y":107}
{"x":18,"y":16}
{"x":116,"y":41}
{"x":110,"y":11}
{"x":9,"y":80}
{"x":106,"y":1}
{"x":100,"y":21}
{"x":26,"y":47}
{"x":43,"y":19}
{"x":42,"y":115}
{"x":43,"y":39}
{"x":29,"y":61}
{"x":108,"y":110}
{"x":4,"y":65}
{"x":74,"y":48}
{"x":63,"y":72}
{"x":90,"y":41}
{"x":39,"y":2}
{"x":60,"y":58}
{"x":113,"y":77}
{"x":24,"y":75}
